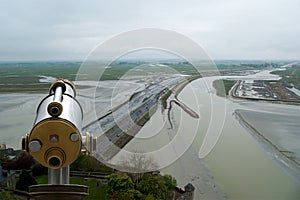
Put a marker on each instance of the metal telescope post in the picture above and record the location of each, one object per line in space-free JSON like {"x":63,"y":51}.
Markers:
{"x":55,"y":142}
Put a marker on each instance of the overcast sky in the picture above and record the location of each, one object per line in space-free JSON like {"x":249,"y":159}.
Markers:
{"x":226,"y":29}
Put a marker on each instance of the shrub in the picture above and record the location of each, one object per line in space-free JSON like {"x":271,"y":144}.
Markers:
{"x":25,"y":180}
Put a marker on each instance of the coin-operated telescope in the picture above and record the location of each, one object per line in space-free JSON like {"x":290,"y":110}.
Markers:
{"x":55,"y":141}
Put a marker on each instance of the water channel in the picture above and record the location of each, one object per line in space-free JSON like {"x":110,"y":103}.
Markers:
{"x":239,"y":163}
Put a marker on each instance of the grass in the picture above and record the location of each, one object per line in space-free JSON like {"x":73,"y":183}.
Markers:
{"x":95,"y":192}
{"x":294,"y":71}
{"x":146,"y":117}
{"x":223,"y":86}
{"x":24,"y":77}
{"x":89,"y":163}
{"x":288,"y":76}
{"x":42,"y":179}
{"x":294,"y":81}
{"x":164,"y":99}
{"x":56,"y":69}
{"x":6,"y":195}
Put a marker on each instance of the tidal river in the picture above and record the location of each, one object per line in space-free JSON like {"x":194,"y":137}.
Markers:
{"x":237,"y":167}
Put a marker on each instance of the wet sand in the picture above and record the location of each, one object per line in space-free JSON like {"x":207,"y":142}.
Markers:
{"x":18,"y":110}
{"x":241,"y":168}
{"x":187,"y":168}
{"x":279,"y":133}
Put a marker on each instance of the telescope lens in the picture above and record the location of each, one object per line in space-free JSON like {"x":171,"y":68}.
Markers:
{"x":54,"y":110}
{"x":54,"y":161}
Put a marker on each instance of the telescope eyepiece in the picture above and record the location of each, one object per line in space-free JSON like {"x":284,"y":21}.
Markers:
{"x":55,"y":157}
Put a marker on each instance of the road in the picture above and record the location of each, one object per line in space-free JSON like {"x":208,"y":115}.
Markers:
{"x":119,"y":126}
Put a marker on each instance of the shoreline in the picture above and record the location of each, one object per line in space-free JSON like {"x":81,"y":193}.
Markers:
{"x":113,"y":146}
{"x":207,"y":186}
{"x":283,"y":157}
{"x":269,"y":146}
{"x":179,"y":87}
{"x":207,"y":182}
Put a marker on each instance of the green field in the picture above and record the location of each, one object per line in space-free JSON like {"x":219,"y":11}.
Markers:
{"x":290,"y":76}
{"x":24,"y":77}
{"x":294,"y":71}
{"x":223,"y":86}
{"x":8,"y":195}
{"x":96,"y":191}
{"x":19,"y":77}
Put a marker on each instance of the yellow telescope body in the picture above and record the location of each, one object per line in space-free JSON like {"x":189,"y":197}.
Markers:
{"x":55,"y":139}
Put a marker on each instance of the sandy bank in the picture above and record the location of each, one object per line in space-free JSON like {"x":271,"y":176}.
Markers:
{"x":156,"y":135}
{"x":277,"y":133}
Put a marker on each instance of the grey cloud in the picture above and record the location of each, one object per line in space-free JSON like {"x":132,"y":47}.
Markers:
{"x":227,"y":29}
